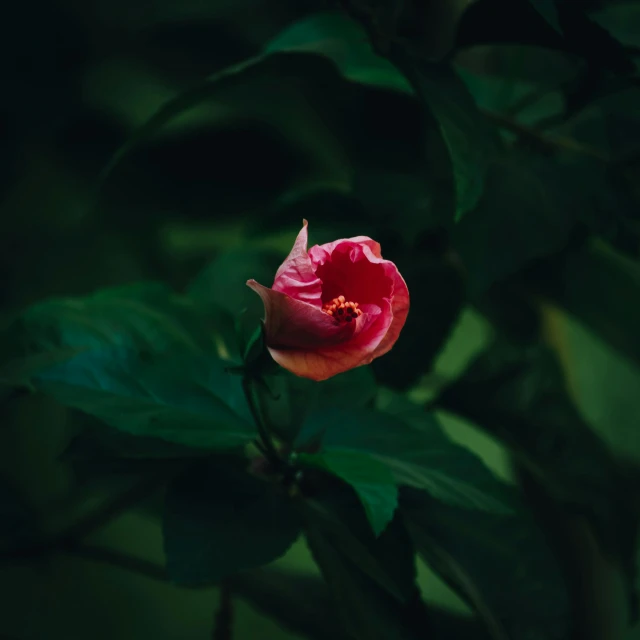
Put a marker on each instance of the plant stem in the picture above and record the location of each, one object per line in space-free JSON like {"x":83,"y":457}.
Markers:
{"x":266,"y":443}
{"x":223,"y":623}
{"x":69,"y":537}
{"x":120,"y":560}
{"x":554,"y":142}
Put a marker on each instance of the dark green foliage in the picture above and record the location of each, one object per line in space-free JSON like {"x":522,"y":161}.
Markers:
{"x":219,"y":520}
{"x":468,"y":550}
{"x":382,"y":606}
{"x":493,"y":155}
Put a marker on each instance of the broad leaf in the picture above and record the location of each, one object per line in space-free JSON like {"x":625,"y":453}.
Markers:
{"x":530,"y":206}
{"x":621,"y":20}
{"x":220,"y":520}
{"x":338,"y":536}
{"x":548,"y":10}
{"x":518,"y":396}
{"x":138,"y":316}
{"x":224,"y":281}
{"x":19,"y":371}
{"x":288,"y":399}
{"x":335,"y":36}
{"x":222,"y":284}
{"x":470,"y":139}
{"x":534,"y":22}
{"x":414,"y":448}
{"x":302,"y":51}
{"x":302,"y":604}
{"x":370,"y":479}
{"x":600,"y":288}
{"x":100,"y":454}
{"x":428,"y":326}
{"x":499,"y":564}
{"x":189,"y":400}
{"x":18,"y":520}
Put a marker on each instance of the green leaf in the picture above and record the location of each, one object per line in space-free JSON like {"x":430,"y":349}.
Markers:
{"x":355,"y":388}
{"x":233,"y":92}
{"x":302,"y":604}
{"x":518,"y":396}
{"x":303,"y":51}
{"x":499,"y":564}
{"x":468,"y":136}
{"x":138,"y":316}
{"x":428,"y":326}
{"x":223,"y":282}
{"x":370,"y":479}
{"x":100,"y":454}
{"x":361,"y":569}
{"x":470,"y":139}
{"x":220,"y":520}
{"x":290,"y":399}
{"x":621,"y":20}
{"x":181,"y":398}
{"x":339,"y":38}
{"x":18,"y":520}
{"x":548,"y":10}
{"x":512,"y":92}
{"x":414,"y":448}
{"x":600,"y":288}
{"x":528,"y":210}
{"x":19,"y":371}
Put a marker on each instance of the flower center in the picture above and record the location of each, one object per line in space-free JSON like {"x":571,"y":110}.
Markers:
{"x":342,"y":310}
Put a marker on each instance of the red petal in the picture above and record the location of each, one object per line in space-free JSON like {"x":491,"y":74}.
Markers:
{"x":324,"y":363}
{"x":400,"y":310}
{"x":296,"y":276}
{"x":296,"y":324}
{"x":320,"y":253}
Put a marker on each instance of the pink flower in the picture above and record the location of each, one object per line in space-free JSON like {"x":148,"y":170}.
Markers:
{"x":334,"y":307}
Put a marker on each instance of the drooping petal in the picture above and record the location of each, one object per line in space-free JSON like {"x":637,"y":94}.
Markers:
{"x":296,"y":276}
{"x":291,"y":323}
{"x":321,"y":364}
{"x":313,"y":344}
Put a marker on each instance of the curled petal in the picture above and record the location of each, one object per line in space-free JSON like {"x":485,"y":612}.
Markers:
{"x":321,"y":364}
{"x":400,"y":311}
{"x":296,"y":276}
{"x":310,"y":343}
{"x":320,"y":253}
{"x":291,"y":323}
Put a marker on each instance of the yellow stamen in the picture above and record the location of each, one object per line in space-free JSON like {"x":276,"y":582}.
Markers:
{"x":342,"y":310}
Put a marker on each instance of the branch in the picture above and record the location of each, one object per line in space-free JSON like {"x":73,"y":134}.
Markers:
{"x":300,"y":603}
{"x":70,"y":537}
{"x":549,"y":141}
{"x":266,"y":443}
{"x":223,"y":624}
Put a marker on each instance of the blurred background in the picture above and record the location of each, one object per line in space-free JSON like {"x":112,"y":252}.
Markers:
{"x":238,"y":170}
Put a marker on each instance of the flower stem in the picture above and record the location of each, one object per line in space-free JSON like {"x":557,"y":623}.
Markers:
{"x":223,"y":624}
{"x":265,"y":444}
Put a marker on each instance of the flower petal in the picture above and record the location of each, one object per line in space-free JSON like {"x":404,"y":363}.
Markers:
{"x":400,"y":311}
{"x":321,"y":364}
{"x":296,"y":276}
{"x":291,"y":323}
{"x":320,"y":253}
{"x":353,"y":271}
